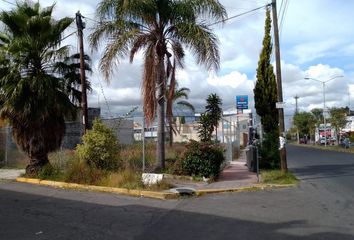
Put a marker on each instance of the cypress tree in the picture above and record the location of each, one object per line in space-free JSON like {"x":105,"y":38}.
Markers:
{"x":265,"y":96}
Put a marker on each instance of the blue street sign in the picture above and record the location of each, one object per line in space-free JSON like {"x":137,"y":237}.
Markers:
{"x":242,"y":102}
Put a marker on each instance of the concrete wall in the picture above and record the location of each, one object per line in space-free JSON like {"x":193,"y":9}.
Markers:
{"x":122,"y":128}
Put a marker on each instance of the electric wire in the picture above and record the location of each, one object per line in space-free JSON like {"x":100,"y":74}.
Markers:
{"x":13,"y":4}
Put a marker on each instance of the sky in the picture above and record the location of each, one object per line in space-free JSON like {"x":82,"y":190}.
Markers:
{"x":316,"y":41}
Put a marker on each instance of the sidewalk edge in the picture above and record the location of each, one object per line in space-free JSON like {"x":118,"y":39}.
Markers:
{"x":125,"y":191}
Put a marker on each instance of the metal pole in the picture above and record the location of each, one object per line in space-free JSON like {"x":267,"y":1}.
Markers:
{"x":143,"y":140}
{"x":324,"y":110}
{"x":257,"y":164}
{"x":6,"y":133}
{"x":222,"y":129}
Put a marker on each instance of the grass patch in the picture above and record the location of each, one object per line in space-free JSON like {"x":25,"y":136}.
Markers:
{"x":277,"y":177}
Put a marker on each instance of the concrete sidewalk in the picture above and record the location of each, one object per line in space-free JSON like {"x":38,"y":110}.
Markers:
{"x":10,"y":174}
{"x":235,"y":175}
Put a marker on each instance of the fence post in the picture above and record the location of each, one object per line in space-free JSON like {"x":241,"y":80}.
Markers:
{"x":6,"y":133}
{"x":222,"y":129}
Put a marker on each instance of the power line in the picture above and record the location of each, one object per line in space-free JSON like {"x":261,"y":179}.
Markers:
{"x":241,"y":14}
{"x":282,"y":20}
{"x":68,"y":35}
{"x":13,"y":4}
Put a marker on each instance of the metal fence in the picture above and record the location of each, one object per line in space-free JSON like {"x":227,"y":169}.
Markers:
{"x":131,"y":131}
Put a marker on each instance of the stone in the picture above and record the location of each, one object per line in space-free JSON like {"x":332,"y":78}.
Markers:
{"x":151,"y":178}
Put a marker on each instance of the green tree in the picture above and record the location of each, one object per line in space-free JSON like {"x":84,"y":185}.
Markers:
{"x":33,"y":96}
{"x":205,"y":130}
{"x":305,"y":123}
{"x":160,"y":28}
{"x":174,"y":98}
{"x":265,"y":96}
{"x":213,"y":108}
{"x":209,"y":120}
{"x":338,"y":119}
{"x":265,"y":91}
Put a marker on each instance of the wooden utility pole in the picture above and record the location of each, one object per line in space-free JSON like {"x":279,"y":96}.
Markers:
{"x":80,"y":27}
{"x":282,"y":149}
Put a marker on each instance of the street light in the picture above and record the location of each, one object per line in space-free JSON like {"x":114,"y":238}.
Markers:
{"x":324,"y":99}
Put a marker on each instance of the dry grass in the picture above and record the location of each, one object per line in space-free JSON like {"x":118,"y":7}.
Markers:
{"x":277,"y":177}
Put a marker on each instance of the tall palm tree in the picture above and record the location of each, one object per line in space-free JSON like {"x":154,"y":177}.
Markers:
{"x":178,"y":93}
{"x":160,"y":28}
{"x":34,"y":100}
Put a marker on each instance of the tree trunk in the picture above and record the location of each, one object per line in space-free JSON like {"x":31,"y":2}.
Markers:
{"x":171,"y":136}
{"x":36,"y":163}
{"x":160,"y":150}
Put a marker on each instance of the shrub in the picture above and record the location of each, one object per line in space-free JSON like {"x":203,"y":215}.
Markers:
{"x":50,"y":172}
{"x":269,"y":151}
{"x":131,"y":156}
{"x":99,"y":148}
{"x":202,"y":159}
{"x":79,"y":172}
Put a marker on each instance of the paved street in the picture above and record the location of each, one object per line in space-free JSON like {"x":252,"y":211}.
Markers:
{"x":322,"y":207}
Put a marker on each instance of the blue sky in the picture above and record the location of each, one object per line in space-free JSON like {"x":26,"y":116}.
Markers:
{"x":317,"y":40}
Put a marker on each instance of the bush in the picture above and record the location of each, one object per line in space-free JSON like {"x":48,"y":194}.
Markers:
{"x":269,"y":151}
{"x":99,"y":148}
{"x":202,"y":159}
{"x":79,"y":172}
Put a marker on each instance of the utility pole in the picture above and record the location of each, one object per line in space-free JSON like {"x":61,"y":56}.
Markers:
{"x":80,"y":26}
{"x":296,"y":112}
{"x":296,"y":107}
{"x":282,"y":151}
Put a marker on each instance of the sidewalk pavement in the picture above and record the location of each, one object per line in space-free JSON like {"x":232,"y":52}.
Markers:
{"x":10,"y":174}
{"x":234,"y":175}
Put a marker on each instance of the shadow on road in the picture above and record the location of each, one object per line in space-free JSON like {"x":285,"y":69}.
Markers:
{"x":324,"y":171}
{"x":27,"y":216}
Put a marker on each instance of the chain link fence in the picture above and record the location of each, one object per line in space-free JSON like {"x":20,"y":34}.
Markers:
{"x":137,"y":140}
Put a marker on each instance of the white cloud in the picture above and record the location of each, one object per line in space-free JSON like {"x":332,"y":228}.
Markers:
{"x":234,"y":79}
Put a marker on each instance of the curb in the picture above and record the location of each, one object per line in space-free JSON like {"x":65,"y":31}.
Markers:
{"x":125,"y":191}
{"x":257,"y":187}
{"x":148,"y":194}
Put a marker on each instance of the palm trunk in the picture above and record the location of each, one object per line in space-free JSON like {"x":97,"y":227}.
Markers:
{"x":160,"y":150}
{"x":171,"y":136}
{"x":37,"y":162}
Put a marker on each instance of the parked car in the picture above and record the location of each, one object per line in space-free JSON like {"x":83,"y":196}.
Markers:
{"x":345,"y":143}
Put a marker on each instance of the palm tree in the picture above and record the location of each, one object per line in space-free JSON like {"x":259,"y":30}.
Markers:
{"x":213,"y":108}
{"x":33,"y":94}
{"x":160,"y":28}
{"x":179,"y":93}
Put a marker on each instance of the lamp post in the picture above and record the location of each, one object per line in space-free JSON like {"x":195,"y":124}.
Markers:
{"x":324,"y":99}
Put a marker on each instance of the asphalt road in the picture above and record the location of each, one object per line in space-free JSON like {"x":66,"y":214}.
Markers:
{"x":322,"y":207}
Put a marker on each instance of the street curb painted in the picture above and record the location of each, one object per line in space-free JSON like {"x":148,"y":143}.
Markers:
{"x":148,"y":194}
{"x":125,"y":191}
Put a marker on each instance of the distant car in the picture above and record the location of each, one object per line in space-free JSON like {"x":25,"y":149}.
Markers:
{"x":323,"y":141}
{"x":345,"y":143}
